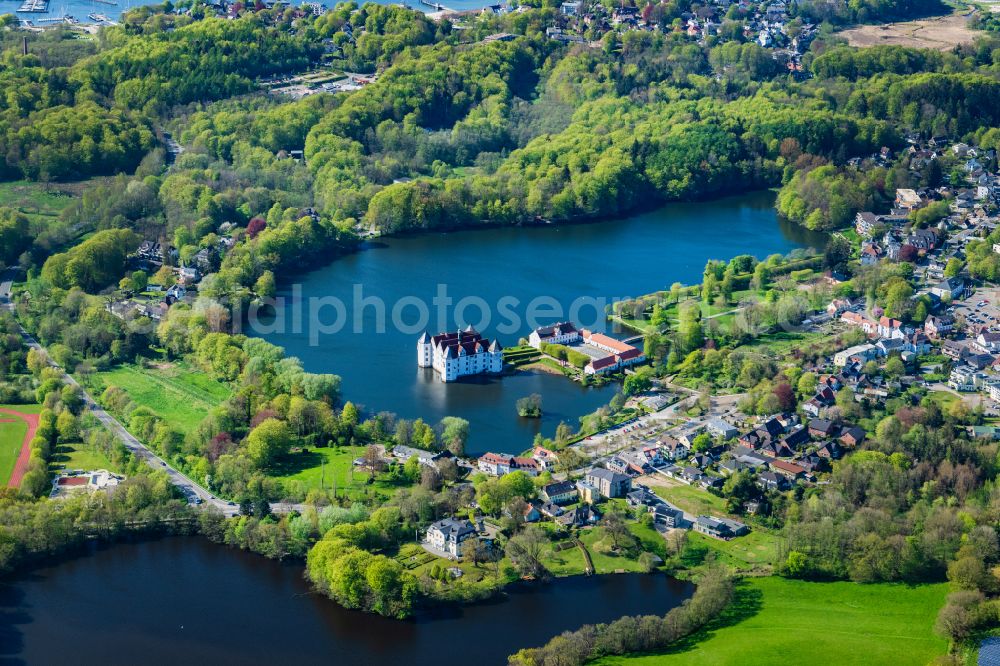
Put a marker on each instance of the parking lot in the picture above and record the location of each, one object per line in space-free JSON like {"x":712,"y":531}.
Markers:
{"x":979,"y":310}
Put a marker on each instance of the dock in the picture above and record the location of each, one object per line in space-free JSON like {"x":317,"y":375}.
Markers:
{"x":33,"y":7}
{"x":436,"y":5}
{"x":101,"y":19}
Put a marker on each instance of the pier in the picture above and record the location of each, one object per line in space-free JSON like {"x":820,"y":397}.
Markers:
{"x":436,"y":5}
{"x":33,"y":7}
{"x":101,"y":19}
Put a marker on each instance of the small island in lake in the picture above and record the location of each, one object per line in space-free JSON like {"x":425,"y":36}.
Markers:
{"x":530,"y":406}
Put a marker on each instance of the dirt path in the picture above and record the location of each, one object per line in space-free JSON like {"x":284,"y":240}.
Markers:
{"x":21,"y":466}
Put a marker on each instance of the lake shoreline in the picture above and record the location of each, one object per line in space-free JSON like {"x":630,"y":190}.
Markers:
{"x":200,"y":579}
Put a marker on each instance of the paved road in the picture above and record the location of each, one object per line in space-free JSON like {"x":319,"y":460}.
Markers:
{"x":196,"y":493}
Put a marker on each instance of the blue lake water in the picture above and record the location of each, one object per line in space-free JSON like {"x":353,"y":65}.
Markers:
{"x":551,"y":267}
{"x":185,"y":600}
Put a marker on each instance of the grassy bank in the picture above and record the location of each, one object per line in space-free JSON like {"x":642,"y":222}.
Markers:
{"x":794,"y":622}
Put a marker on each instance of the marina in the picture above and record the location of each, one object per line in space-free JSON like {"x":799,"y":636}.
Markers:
{"x":33,"y":7}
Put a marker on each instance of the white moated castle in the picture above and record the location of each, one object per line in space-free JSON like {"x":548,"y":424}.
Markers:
{"x":459,"y":353}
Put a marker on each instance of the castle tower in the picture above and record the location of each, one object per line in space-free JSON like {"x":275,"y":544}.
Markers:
{"x":424,"y":352}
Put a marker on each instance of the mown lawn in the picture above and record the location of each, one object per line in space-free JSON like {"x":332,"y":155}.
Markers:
{"x":25,"y":409}
{"x":179,"y":395}
{"x":778,"y":621}
{"x":756,"y":550}
{"x":12,"y":432}
{"x":566,"y":562}
{"x":78,"y":456}
{"x":605,"y":560}
{"x":687,"y":498}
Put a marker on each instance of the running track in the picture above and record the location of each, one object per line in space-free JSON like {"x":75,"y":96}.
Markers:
{"x":21,"y":466}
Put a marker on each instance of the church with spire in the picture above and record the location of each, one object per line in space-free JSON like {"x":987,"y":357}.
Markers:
{"x":459,"y":353}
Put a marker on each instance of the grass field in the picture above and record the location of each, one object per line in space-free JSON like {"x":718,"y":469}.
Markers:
{"x":179,"y":395}
{"x":12,"y":432}
{"x":778,"y":621}
{"x":333,"y":468}
{"x":25,"y":409}
{"x":756,"y":551}
{"x":35,"y":200}
{"x":77,"y":456}
{"x":685,"y":497}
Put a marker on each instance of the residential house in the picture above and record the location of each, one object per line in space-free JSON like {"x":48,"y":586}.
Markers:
{"x":821,"y":428}
{"x":865,"y":223}
{"x":790,"y":470}
{"x":858,"y":353}
{"x":495,"y":464}
{"x":616,"y":464}
{"x":580,"y":516}
{"x":965,"y":378}
{"x":720,"y":528}
{"x":949,"y":288}
{"x":642,"y":496}
{"x":450,"y":535}
{"x":799,"y":434}
{"x":721,"y":429}
{"x":987,"y":342}
{"x":667,"y":516}
{"x":426,"y":458}
{"x":545,"y":458}
{"x":773,"y":481}
{"x":861,"y":321}
{"x":560,"y":492}
{"x":563,"y":333}
{"x":829,"y":451}
{"x":852,"y":436}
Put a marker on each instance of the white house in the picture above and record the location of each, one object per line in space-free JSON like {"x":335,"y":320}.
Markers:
{"x":987,"y":342}
{"x":563,"y":333}
{"x":865,"y":352}
{"x":966,"y":378}
{"x":450,"y":534}
{"x":459,"y":354}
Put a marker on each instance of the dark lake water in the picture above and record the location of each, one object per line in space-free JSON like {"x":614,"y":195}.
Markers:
{"x":510,"y":273}
{"x":184,"y":600}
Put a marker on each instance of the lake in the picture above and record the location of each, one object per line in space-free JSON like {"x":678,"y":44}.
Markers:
{"x":186,"y":600}
{"x":81,"y":9}
{"x":504,"y":281}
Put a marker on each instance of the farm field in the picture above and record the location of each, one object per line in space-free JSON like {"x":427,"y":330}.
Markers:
{"x":175,"y":393}
{"x":939,"y":32}
{"x":775,"y":620}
